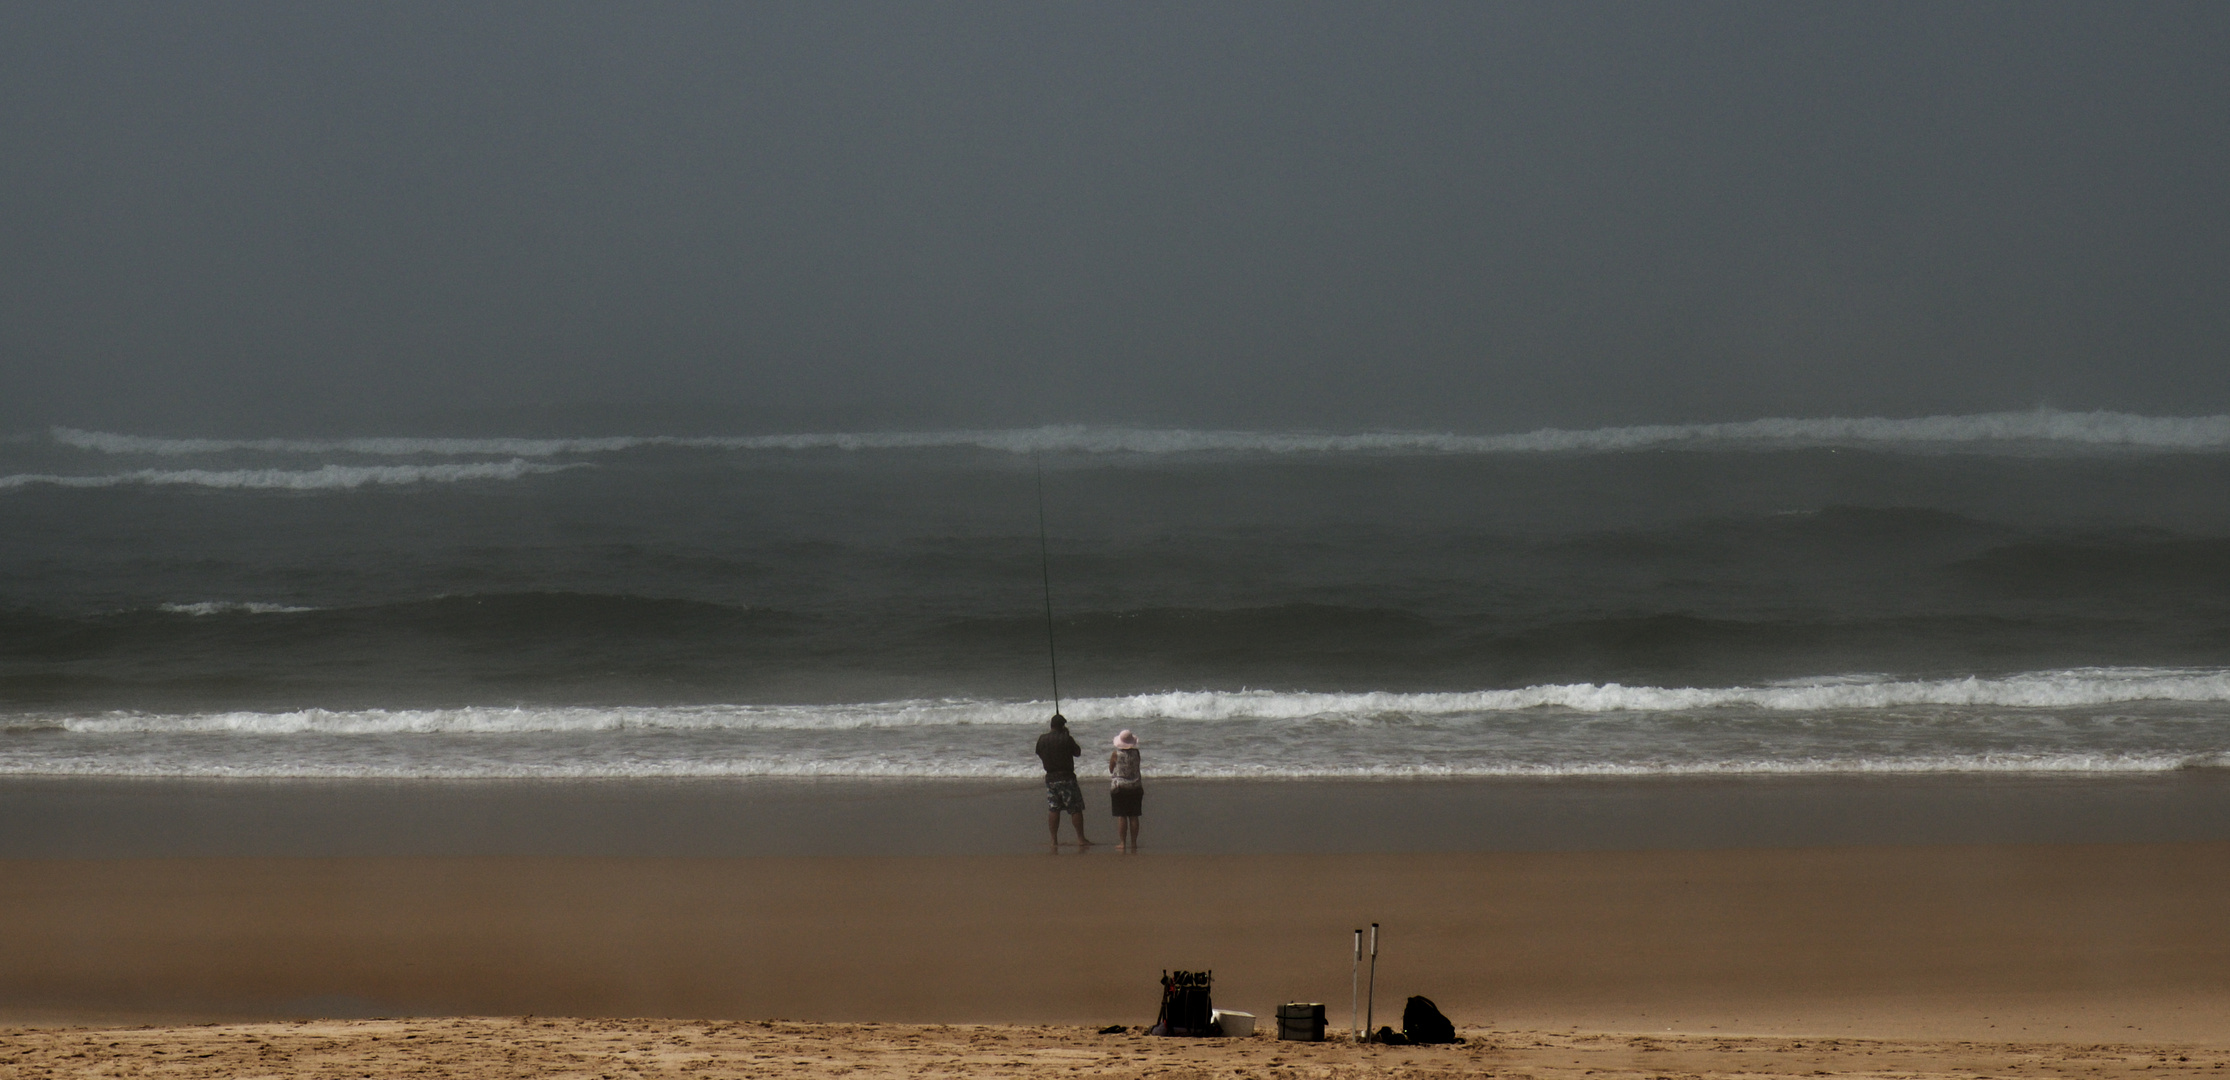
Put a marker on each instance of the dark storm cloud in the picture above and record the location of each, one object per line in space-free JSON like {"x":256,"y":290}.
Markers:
{"x":1474,"y":216}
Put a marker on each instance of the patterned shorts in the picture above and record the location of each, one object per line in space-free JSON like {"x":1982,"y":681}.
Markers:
{"x":1062,"y":796}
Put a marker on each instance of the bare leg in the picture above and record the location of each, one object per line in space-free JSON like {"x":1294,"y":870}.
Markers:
{"x":1081,"y":839}
{"x":1126,"y":829}
{"x":1053,"y":826}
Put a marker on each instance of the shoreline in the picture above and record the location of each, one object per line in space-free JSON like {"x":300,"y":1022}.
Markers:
{"x":64,"y":817}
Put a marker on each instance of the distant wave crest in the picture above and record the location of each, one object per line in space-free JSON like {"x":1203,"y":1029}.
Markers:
{"x":325,"y":478}
{"x":1983,"y":432}
{"x":230,"y":607}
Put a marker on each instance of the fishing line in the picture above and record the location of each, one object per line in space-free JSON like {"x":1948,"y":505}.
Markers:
{"x":1045,"y":574}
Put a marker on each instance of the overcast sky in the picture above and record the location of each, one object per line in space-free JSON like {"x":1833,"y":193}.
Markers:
{"x":269,"y":217}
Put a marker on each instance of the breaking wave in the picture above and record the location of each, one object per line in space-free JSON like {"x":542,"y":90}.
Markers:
{"x":326,"y":478}
{"x":2086,"y":721}
{"x":1977,"y":433}
{"x":792,"y":767}
{"x":2076,"y":688}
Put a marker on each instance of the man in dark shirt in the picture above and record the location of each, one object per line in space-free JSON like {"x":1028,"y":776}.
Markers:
{"x":1059,"y":753}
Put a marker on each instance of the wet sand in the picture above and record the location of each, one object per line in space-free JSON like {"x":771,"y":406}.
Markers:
{"x":160,"y":818}
{"x":2058,"y":942}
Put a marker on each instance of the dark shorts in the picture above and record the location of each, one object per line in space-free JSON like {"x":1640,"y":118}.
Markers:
{"x":1062,"y":796}
{"x":1129,"y":802}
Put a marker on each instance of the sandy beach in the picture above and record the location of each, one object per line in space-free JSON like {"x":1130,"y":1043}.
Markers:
{"x":1788,"y":928}
{"x":2087,"y":943}
{"x":648,"y":1048}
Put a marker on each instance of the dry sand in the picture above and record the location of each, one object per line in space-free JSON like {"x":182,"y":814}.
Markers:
{"x":2097,"y":944}
{"x":619,"y":1049}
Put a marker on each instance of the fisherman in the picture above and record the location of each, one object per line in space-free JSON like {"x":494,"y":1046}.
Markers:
{"x":1058,"y":750}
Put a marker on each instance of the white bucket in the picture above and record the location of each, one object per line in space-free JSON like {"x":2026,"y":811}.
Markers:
{"x":1236,"y":1025}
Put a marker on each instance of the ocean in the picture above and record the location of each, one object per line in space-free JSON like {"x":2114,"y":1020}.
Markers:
{"x":2020,"y":593}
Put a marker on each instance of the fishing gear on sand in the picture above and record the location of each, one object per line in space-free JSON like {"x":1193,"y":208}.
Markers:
{"x":1186,"y":1009}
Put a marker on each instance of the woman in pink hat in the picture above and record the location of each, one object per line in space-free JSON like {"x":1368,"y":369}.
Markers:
{"x":1126,"y":789}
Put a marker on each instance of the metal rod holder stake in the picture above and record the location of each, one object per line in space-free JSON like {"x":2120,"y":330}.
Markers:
{"x":1370,"y":1000}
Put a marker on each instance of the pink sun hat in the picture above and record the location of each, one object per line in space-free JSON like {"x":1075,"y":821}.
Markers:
{"x":1126,"y":741}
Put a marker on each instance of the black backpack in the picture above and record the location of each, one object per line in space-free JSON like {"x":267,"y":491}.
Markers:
{"x":1421,"y":1022}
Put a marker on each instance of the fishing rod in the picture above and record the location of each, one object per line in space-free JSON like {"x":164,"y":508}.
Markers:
{"x":1045,"y":574}
{"x":1355,"y":991}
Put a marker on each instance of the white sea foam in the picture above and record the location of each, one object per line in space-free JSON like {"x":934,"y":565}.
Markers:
{"x":1761,"y":765}
{"x":325,"y":478}
{"x":782,"y":768}
{"x":571,"y":720}
{"x":1984,"y":432}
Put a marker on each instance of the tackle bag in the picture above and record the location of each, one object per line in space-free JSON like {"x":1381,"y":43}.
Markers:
{"x":1421,"y":1022}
